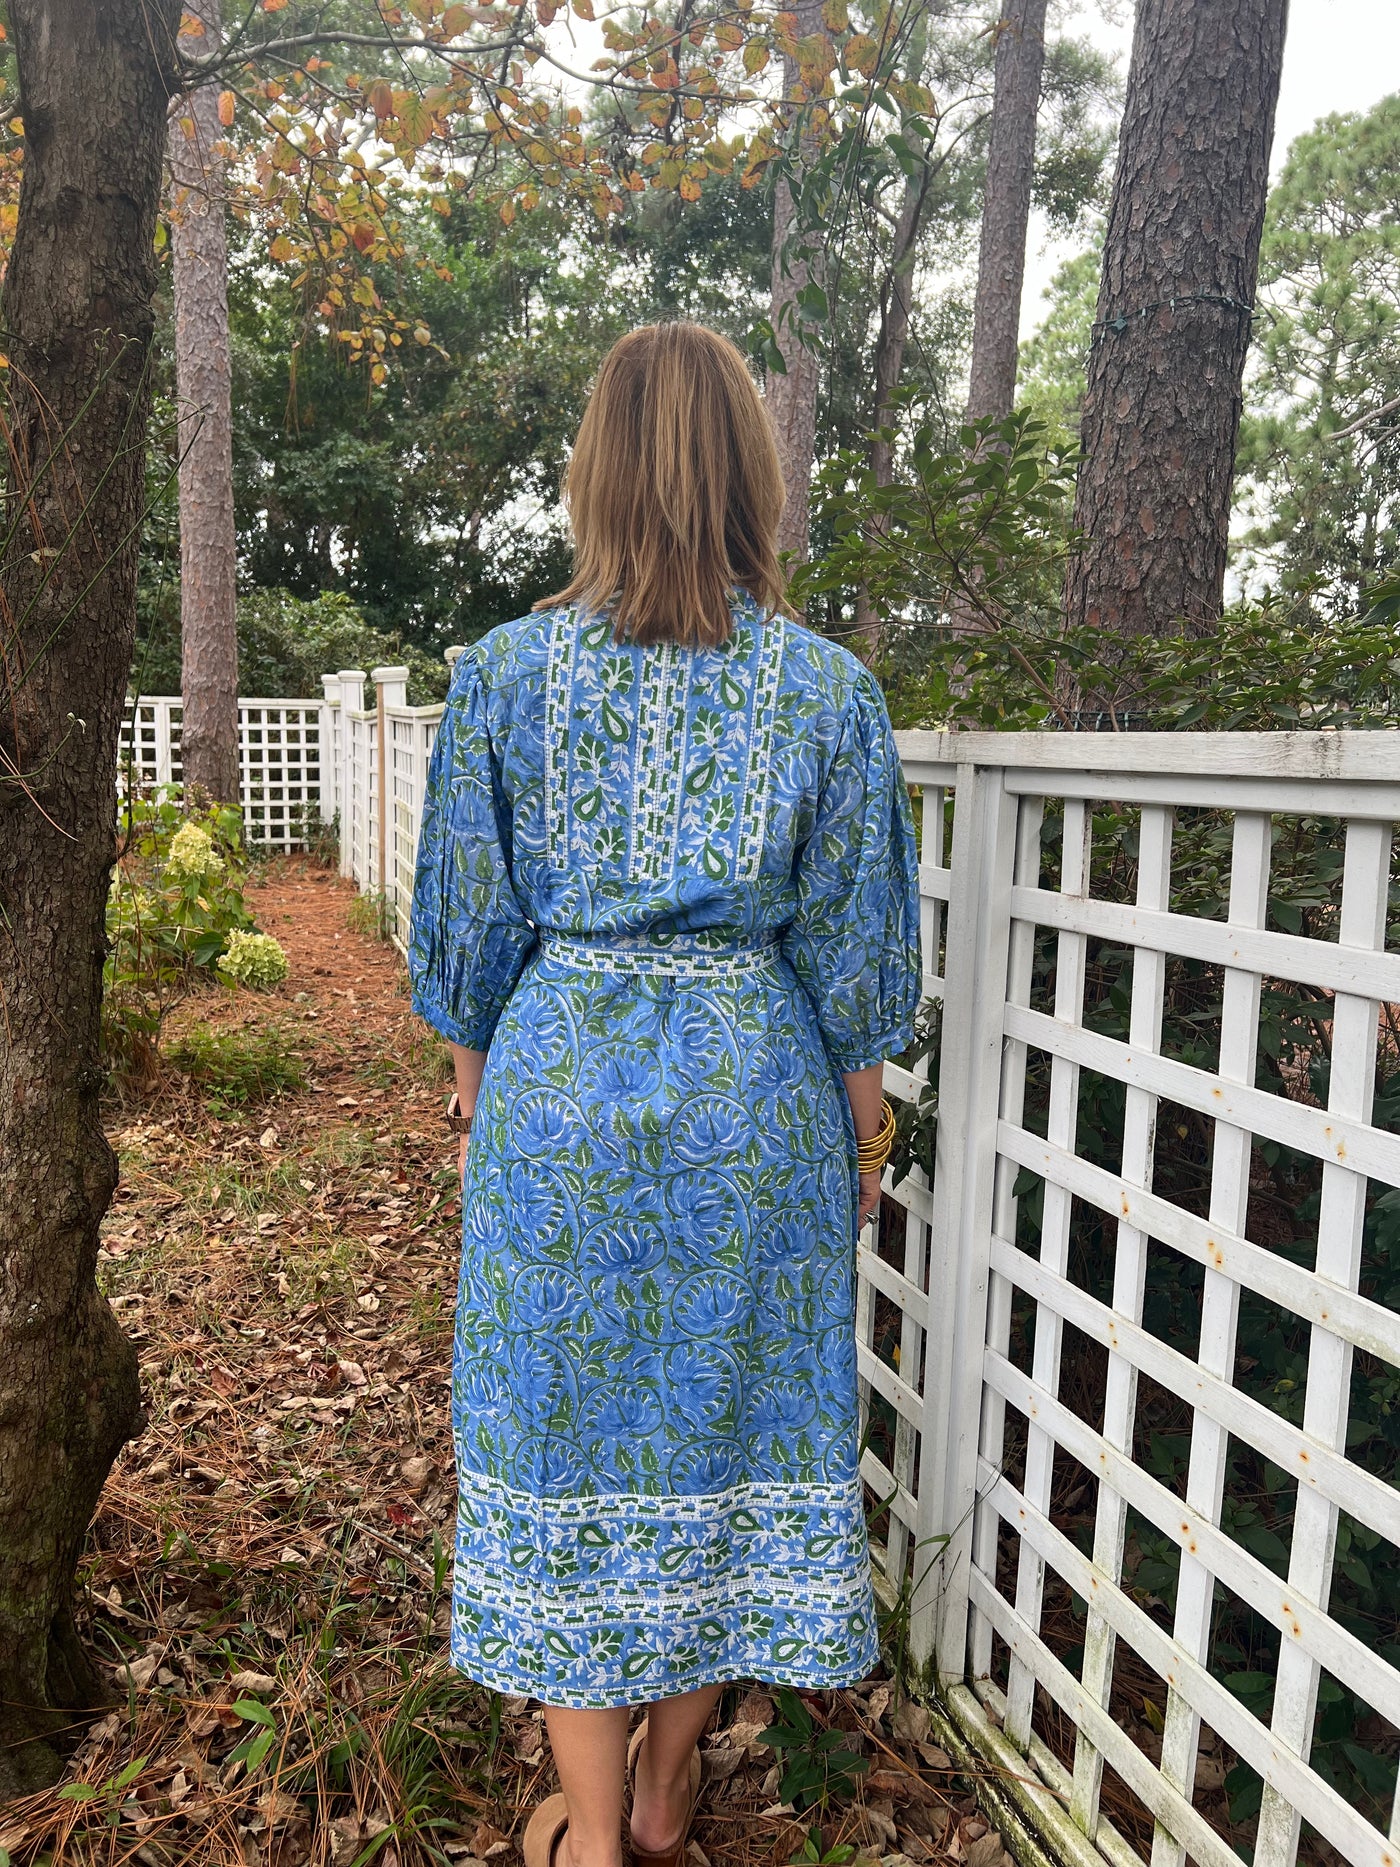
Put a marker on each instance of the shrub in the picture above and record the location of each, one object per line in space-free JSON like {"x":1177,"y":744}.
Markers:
{"x":192,"y":855}
{"x":286,"y":643}
{"x":253,"y":959}
{"x":176,"y":899}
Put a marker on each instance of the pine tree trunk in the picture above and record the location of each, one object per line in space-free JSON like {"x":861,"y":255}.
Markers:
{"x":792,"y":398}
{"x":1006,"y":210}
{"x":1162,"y":410}
{"x":93,"y":78}
{"x":199,"y":243}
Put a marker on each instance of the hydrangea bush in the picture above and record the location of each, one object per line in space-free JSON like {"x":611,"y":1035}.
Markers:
{"x":174,"y":913}
{"x":192,"y":856}
{"x":254,"y":959}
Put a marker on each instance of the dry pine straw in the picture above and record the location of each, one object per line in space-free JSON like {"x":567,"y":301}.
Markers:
{"x":267,"y":1562}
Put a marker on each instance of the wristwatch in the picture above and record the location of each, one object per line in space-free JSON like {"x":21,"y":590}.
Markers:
{"x":456,"y":1120}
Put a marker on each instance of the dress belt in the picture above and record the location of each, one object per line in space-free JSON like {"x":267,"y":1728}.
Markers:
{"x":652,"y":959}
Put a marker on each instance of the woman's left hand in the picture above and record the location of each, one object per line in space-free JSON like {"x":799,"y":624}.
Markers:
{"x":869,"y":1194}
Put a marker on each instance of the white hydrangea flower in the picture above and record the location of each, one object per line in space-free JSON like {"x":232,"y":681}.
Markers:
{"x":192,"y":855}
{"x":254,"y":959}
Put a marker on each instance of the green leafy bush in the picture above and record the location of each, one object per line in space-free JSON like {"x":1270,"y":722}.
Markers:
{"x":286,"y":643}
{"x":176,"y":898}
{"x":962,"y":555}
{"x":253,"y":959}
{"x":817,"y":1764}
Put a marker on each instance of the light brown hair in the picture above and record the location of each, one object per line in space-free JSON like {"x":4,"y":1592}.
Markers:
{"x":674,"y":490}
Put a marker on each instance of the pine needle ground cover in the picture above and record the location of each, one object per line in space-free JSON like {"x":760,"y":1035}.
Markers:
{"x":267,"y":1580}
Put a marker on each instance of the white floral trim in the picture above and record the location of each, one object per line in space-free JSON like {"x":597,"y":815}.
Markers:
{"x":753,"y":821}
{"x":660,"y":758}
{"x":610,"y":1599}
{"x":695,"y":1507}
{"x":558,"y":688}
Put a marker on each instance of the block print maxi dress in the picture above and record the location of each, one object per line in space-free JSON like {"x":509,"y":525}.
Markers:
{"x":675,"y":892}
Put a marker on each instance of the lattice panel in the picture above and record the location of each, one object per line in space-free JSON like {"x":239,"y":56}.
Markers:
{"x":411,"y":734}
{"x":360,"y":817}
{"x":149,"y":745}
{"x":967,"y":1313}
{"x":280,"y":745}
{"x":280,"y":762}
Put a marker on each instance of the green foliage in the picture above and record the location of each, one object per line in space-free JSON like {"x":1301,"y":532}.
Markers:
{"x":1054,"y":360}
{"x":418,"y":498}
{"x":368,"y":915}
{"x":1076,"y":134}
{"x":253,"y":959}
{"x":286,"y":643}
{"x":814,"y":1851}
{"x":961,"y":553}
{"x":817,"y":1764}
{"x":238,"y":1067}
{"x":176,"y":897}
{"x":260,"y":1739}
{"x":1324,"y":502}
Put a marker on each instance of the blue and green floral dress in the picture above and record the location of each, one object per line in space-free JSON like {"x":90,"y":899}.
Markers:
{"x":675,"y":892}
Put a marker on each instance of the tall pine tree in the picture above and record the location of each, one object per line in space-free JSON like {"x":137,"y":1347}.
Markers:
{"x":1162,"y":409}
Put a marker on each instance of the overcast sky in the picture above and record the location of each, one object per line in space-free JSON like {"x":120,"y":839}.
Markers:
{"x":1339,"y":55}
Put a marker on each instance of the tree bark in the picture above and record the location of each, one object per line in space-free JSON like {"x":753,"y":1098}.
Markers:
{"x":203,"y":387}
{"x":1162,"y":408}
{"x":1006,"y":209}
{"x":792,"y":398}
{"x":94,"y":78}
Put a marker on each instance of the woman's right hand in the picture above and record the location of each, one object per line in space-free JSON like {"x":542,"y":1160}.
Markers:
{"x":869,"y":1194}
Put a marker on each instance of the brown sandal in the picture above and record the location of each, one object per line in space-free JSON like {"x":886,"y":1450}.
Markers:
{"x":674,"y":1857}
{"x":544,"y":1832}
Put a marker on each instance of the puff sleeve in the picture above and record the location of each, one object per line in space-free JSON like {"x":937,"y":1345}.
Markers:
{"x":854,"y":939}
{"x":468,"y":938}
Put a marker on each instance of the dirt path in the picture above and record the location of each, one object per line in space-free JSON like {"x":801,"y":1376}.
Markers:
{"x":268,"y":1574}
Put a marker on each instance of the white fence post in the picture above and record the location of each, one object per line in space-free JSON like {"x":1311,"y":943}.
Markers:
{"x":331,"y":752}
{"x":390,"y":692}
{"x":352,"y":700}
{"x":984,"y":821}
{"x":391,"y":686}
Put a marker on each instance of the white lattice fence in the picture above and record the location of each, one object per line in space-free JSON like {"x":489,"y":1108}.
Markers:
{"x":969,"y":1313}
{"x":1040,"y":1639}
{"x":281,"y":746}
{"x":399,"y":775}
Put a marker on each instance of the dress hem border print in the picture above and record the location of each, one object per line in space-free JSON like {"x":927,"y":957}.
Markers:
{"x":804,"y":1678}
{"x":644,"y":1594}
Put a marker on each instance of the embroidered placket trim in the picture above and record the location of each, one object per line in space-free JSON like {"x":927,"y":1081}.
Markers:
{"x":753,"y":819}
{"x":660,"y":760}
{"x":558,"y":693}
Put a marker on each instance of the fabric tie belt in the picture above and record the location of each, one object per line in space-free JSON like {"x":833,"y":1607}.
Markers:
{"x":653,"y":959}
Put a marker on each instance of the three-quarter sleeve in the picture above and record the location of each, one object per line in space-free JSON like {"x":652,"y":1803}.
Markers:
{"x":469,"y":938}
{"x":854,"y":939}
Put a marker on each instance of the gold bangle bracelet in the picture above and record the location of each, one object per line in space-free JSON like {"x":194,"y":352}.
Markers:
{"x":872,"y":1153}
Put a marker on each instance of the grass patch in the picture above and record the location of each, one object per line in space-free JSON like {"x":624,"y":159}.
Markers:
{"x":240,"y":1067}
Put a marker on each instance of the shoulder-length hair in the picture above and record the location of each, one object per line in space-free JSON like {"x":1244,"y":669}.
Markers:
{"x":674,"y":490}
